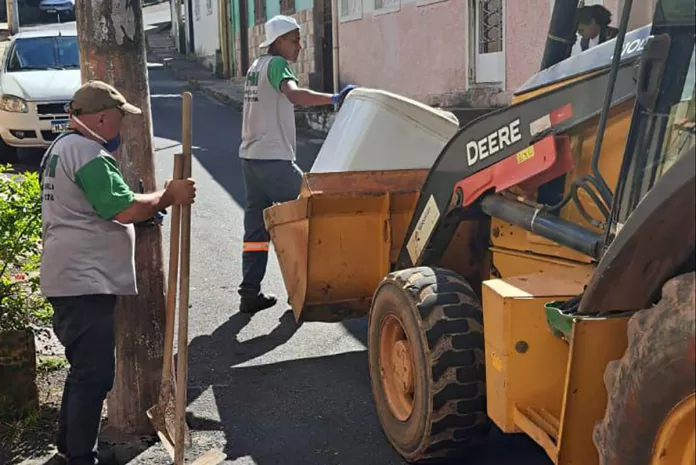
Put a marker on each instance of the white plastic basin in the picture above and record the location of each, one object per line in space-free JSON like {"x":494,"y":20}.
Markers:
{"x":378,"y":130}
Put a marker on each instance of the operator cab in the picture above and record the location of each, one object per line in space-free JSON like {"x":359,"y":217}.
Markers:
{"x":594,"y":59}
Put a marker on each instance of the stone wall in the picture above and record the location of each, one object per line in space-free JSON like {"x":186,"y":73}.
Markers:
{"x":308,"y":65}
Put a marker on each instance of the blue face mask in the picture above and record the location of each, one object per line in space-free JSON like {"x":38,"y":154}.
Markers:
{"x":112,"y":145}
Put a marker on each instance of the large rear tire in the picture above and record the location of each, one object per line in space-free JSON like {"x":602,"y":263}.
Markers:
{"x":650,"y":390}
{"x":426,"y":353}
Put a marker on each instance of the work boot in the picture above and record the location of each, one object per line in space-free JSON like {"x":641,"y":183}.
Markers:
{"x":254,"y":304}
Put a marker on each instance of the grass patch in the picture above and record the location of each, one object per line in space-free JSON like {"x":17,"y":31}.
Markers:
{"x":51,"y":363}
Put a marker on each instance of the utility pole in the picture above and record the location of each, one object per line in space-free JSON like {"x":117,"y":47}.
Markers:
{"x":112,"y":49}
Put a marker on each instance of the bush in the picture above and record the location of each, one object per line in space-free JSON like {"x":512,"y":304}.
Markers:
{"x":21,"y":302}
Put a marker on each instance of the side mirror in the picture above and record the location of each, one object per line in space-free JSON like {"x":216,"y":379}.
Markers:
{"x":652,"y":67}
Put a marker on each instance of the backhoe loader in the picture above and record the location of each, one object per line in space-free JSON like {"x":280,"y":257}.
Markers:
{"x":541,"y":275}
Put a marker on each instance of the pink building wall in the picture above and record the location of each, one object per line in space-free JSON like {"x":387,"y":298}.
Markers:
{"x":526,"y":26}
{"x":423,"y":52}
{"x":419,"y":51}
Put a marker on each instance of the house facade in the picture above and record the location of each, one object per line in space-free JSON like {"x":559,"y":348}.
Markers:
{"x":450,"y":52}
{"x":201,"y":29}
{"x":466,"y":53}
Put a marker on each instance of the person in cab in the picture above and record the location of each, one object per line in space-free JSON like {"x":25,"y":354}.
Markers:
{"x":593,"y":28}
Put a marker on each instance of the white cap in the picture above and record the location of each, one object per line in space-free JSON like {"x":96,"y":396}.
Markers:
{"x":277,"y":26}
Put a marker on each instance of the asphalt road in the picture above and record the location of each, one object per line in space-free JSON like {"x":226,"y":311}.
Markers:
{"x":266,"y":390}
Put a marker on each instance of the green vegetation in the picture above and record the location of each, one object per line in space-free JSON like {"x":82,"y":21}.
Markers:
{"x":21,"y":302}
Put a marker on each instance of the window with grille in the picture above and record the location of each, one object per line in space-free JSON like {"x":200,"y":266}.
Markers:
{"x":287,"y":7}
{"x":260,"y":11}
{"x":490,"y":27}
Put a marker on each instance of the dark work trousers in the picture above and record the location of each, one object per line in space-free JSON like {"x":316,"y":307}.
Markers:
{"x":85,"y":327}
{"x":265,"y":182}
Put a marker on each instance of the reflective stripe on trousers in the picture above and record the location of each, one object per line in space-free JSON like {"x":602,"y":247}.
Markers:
{"x":255,"y":247}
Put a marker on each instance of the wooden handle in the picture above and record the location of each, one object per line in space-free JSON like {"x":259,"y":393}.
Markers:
{"x":186,"y":126}
{"x":172,"y":277}
{"x":185,"y":255}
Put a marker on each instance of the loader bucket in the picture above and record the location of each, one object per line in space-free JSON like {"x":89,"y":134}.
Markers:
{"x":340,"y":238}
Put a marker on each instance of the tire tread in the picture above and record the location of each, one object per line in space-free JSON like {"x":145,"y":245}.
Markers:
{"x":452,"y":320}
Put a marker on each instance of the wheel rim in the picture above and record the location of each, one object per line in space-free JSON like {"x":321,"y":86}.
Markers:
{"x":676,"y":440}
{"x":396,"y":368}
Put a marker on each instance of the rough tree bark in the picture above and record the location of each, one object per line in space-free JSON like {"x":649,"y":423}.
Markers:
{"x":112,"y":49}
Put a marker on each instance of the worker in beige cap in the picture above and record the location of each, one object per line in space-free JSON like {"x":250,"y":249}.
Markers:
{"x":88,"y":258}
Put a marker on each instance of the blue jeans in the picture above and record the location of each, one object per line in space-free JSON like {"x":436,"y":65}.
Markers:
{"x":265,"y":182}
{"x":85,"y":327}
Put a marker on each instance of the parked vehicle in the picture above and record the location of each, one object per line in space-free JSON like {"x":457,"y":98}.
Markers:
{"x":53,"y":8}
{"x":39,"y":73}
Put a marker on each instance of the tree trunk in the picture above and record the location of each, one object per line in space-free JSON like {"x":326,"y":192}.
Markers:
{"x":112,"y":49}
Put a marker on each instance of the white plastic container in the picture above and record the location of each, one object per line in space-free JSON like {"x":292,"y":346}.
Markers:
{"x":378,"y":130}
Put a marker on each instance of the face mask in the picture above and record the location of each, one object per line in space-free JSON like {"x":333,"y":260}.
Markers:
{"x":113,"y":144}
{"x":110,"y":145}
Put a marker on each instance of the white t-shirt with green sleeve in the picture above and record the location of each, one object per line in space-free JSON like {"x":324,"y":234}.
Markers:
{"x":268,"y":124}
{"x":85,"y":251}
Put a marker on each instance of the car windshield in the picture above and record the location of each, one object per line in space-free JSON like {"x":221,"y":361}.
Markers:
{"x":41,"y":53}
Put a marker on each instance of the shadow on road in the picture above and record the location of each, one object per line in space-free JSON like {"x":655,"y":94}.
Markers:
{"x":313,"y":411}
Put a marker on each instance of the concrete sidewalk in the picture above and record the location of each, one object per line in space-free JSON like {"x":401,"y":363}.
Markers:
{"x":230,"y":91}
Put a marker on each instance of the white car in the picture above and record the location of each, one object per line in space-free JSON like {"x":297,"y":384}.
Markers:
{"x":39,"y":73}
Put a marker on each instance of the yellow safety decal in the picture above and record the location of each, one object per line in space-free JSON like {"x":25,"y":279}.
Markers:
{"x":525,"y":154}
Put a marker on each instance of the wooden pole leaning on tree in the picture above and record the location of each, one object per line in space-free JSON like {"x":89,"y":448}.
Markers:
{"x":112,"y":49}
{"x":162,"y":415}
{"x":213,"y":456}
{"x":184,"y":261}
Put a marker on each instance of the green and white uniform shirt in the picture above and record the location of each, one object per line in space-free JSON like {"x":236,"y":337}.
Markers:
{"x":268,"y":125}
{"x":84,"y":251}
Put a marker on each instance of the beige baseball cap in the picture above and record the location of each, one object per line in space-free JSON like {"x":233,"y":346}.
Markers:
{"x":95,"y":96}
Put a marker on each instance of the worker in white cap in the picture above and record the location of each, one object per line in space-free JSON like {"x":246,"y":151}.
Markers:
{"x":268,"y":147}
